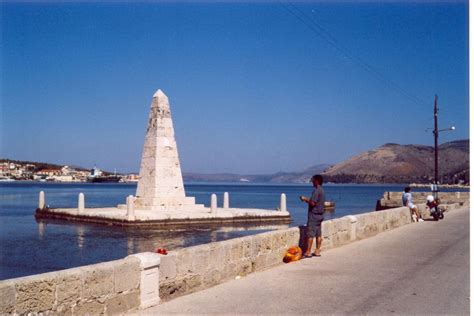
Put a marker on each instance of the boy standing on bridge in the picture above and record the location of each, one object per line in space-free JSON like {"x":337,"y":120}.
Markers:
{"x":315,"y":215}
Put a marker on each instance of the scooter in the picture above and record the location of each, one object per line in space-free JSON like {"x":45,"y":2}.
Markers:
{"x":432,"y":205}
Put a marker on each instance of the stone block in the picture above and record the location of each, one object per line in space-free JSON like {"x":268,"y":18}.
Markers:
{"x":327,"y":228}
{"x":201,"y":261}
{"x":98,"y":280}
{"x":360,"y":221}
{"x":172,"y":289}
{"x":343,"y":237}
{"x":327,"y":243}
{"x":275,"y":257}
{"x":216,"y":255}
{"x":280,"y":239}
{"x":379,"y":217}
{"x":341,"y":224}
{"x":266,"y":243}
{"x":244,"y":267}
{"x":7,"y":295}
{"x":236,"y":251}
{"x":168,"y":269}
{"x":393,"y":223}
{"x":353,"y":221}
{"x":293,"y":236}
{"x":212,"y":277}
{"x":149,"y":278}
{"x":366,"y":227}
{"x":260,"y":262}
{"x":256,"y":246}
{"x":193,"y":282}
{"x":230,"y":271}
{"x":227,"y":249}
{"x":88,"y":308}
{"x":68,"y":288}
{"x":127,"y":275}
{"x":246,"y":247}
{"x":35,"y":295}
{"x":184,"y":262}
{"x":122,"y":303}
{"x":371,"y":218}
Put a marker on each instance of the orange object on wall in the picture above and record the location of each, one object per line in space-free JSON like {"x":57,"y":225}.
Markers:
{"x":161,"y":251}
{"x":293,"y":254}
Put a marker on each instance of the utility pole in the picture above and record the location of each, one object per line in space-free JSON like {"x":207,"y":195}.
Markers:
{"x":436,"y":132}
{"x":434,"y":186}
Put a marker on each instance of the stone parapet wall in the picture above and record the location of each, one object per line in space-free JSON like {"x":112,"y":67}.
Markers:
{"x":141,"y":280}
{"x":394,"y":199}
{"x":110,"y":288}
{"x":199,"y":267}
{"x":194,"y":268}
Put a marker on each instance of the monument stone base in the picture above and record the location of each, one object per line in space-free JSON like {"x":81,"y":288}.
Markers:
{"x":194,"y":215}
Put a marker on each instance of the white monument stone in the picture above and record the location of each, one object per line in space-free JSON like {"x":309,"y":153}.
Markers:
{"x":160,"y":185}
{"x":80,"y":203}
{"x":41,"y":202}
{"x":226,"y":200}
{"x":283,"y":202}
{"x":213,"y":203}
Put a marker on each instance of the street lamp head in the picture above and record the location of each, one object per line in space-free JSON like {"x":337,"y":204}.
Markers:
{"x":452,"y":128}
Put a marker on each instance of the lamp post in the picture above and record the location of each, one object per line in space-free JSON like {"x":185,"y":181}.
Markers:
{"x":434,"y":187}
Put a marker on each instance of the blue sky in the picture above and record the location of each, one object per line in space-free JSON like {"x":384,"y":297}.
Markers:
{"x":252,"y":87}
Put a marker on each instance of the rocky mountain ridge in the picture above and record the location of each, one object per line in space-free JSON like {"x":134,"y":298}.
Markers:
{"x":394,"y":163}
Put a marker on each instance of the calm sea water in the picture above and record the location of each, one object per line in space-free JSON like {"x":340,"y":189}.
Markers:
{"x":30,"y":247}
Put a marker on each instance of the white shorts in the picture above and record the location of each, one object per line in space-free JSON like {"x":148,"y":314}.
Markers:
{"x":411,"y":205}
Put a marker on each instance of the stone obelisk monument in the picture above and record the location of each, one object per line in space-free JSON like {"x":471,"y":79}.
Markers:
{"x":160,"y":184}
{"x":160,"y":198}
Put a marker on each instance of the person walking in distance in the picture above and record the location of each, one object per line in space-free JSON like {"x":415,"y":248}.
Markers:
{"x":407,"y":200}
{"x":315,"y":215}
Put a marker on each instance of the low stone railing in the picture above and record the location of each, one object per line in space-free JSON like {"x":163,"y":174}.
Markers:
{"x":195,"y":268}
{"x":141,"y":280}
{"x":111,"y":288}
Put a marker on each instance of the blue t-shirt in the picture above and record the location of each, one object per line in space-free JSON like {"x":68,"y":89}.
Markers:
{"x":407,"y":199}
{"x":319,"y":197}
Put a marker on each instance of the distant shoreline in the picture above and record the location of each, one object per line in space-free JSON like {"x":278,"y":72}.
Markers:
{"x":413,"y":185}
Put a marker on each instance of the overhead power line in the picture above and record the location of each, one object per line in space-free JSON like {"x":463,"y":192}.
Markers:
{"x":319,"y":30}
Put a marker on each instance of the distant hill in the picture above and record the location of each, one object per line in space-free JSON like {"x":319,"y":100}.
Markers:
{"x":394,"y":163}
{"x":42,"y":165}
{"x":279,"y":177}
{"x":38,"y":165}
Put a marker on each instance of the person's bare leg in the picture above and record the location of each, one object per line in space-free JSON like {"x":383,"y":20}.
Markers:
{"x":309,"y":244}
{"x":319,"y":240}
{"x":418,"y":216}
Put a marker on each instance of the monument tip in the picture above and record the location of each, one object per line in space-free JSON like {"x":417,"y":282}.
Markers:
{"x":159,"y":93}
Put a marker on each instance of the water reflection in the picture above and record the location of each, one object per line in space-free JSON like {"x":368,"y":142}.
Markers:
{"x":80,"y":231}
{"x":41,"y":230}
{"x":122,"y":241}
{"x":130,"y":246}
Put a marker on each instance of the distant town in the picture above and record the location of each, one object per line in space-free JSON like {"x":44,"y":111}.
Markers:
{"x":13,"y":170}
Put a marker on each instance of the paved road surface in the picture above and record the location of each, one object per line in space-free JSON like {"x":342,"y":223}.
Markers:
{"x":417,"y":268}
